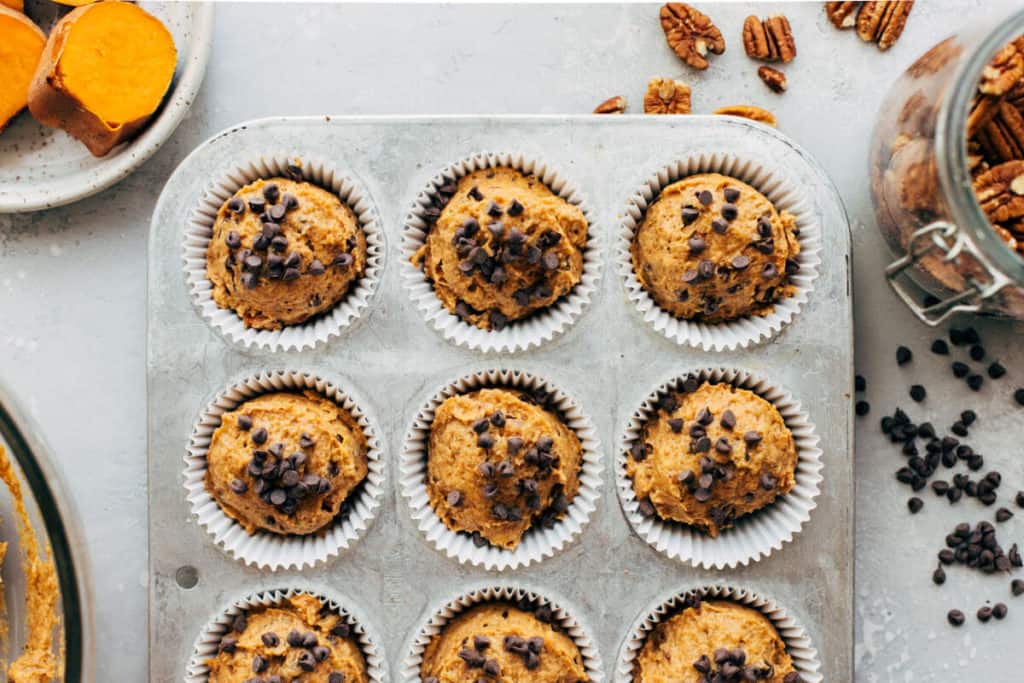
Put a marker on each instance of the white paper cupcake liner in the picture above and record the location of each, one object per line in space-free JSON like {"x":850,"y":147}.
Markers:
{"x":208,"y":641}
{"x":565,"y":618}
{"x":538,"y":542}
{"x":798,"y":643}
{"x":323,"y":327}
{"x":534,"y":330}
{"x":264,"y":549}
{"x":754,"y":535}
{"x":784,"y":192}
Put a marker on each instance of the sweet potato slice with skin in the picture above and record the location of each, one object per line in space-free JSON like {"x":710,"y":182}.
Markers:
{"x":21,"y":45}
{"x":16,"y":5}
{"x":103,"y":74}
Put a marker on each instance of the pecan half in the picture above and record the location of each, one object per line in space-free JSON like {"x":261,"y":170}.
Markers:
{"x":1002,"y":138}
{"x":883,"y":22}
{"x":748,"y":111}
{"x":690,"y":34}
{"x":842,"y":14}
{"x":1000,"y":191}
{"x":1004,"y":71}
{"x":773,"y":78}
{"x":665,"y":96}
{"x":770,"y":40}
{"x":613,"y":105}
{"x":983,"y":109}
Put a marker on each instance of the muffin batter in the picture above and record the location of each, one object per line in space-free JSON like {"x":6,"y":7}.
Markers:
{"x":710,"y":456}
{"x":283,"y":252}
{"x":285,"y":462}
{"x":503,"y":247}
{"x":498,"y":463}
{"x":500,"y":642}
{"x":715,"y":636}
{"x":712,"y":249}
{"x":300,"y":639}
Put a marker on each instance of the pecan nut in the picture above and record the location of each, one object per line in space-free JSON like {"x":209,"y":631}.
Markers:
{"x":773,"y":78}
{"x":983,"y":109}
{"x":842,"y":14}
{"x":613,"y":105}
{"x":1002,"y":138}
{"x":665,"y":96}
{"x":748,"y":111}
{"x":883,"y":22}
{"x":690,"y":34}
{"x":1004,"y":71}
{"x":1000,"y":191}
{"x":770,"y":40}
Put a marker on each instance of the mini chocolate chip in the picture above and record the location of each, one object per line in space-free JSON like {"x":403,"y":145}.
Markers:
{"x":270,"y":639}
{"x":257,"y":204}
{"x":914,"y":505}
{"x":974,"y":382}
{"x":244,"y":423}
{"x":740,"y":262}
{"x":768,"y":481}
{"x":731,"y":194}
{"x":259,"y":664}
{"x":646,"y":508}
{"x":239,"y":486}
{"x":1017,"y":587}
{"x":939,"y":576}
{"x":696,"y":244}
{"x":918,"y":392}
{"x":485,"y":441}
{"x":729,"y":212}
{"x":955,"y":617}
{"x":306,"y":661}
{"x":770,"y":271}
{"x":903,"y":355}
{"x":454,"y":498}
{"x":996,"y":370}
{"x":289,"y":201}
{"x":862,"y":408}
{"x":276,"y":212}
{"x":752,"y":438}
{"x":342,"y":260}
{"x":1000,"y":610}
{"x":514,"y":444}
{"x":977,"y":352}
{"x":704,"y":197}
{"x":228,"y":644}
{"x":675,"y":424}
{"x":691,"y":275}
{"x":1003,"y":514}
{"x":719,"y":226}
{"x":1018,"y":396}
{"x":940,"y":347}
{"x":984,"y":613}
{"x":316,"y":268}
{"x":960,"y":370}
{"x":259,"y":436}
{"x":271,"y":192}
{"x":690,"y":214}
{"x":551,"y":261}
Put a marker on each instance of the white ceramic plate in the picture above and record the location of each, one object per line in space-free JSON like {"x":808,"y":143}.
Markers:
{"x":43,"y":167}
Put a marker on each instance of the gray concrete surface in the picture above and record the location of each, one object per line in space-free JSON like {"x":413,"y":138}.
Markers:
{"x":72,"y":280}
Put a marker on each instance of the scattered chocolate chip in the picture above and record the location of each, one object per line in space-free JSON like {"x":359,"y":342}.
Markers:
{"x":859,"y":383}
{"x":862,"y":408}
{"x":956,"y":617}
{"x":259,"y":436}
{"x":984,"y":614}
{"x":903,"y":355}
{"x":728,"y":419}
{"x":752,"y":438}
{"x":705,"y":197}
{"x":975,"y":382}
{"x":939,"y":576}
{"x":1018,"y":396}
{"x":485,"y":441}
{"x":257,"y":204}
{"x":454,"y":498}
{"x":1003,"y":514}
{"x":515,"y":208}
{"x":770,"y":272}
{"x":996,"y":370}
{"x":977,"y":353}
{"x":960,"y":370}
{"x":740,"y":262}
{"x":729,"y":212}
{"x":719,"y":226}
{"x":1000,"y":610}
{"x":689,"y":214}
{"x":914,"y":505}
{"x":918,"y":393}
{"x":244,"y":423}
{"x":271,"y":192}
{"x":316,"y":268}
{"x":940,"y":347}
{"x":1017,"y":587}
{"x":731,"y":194}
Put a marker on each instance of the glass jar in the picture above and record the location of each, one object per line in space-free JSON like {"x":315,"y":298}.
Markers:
{"x":922,"y":186}
{"x":54,"y":523}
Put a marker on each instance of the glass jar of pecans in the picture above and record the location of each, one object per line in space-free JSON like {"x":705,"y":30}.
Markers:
{"x":947,"y":175}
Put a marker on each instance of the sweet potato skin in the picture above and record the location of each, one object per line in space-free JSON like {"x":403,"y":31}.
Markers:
{"x":53,"y":106}
{"x":16,"y":5}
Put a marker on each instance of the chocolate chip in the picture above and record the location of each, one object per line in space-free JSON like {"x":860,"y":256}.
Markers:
{"x":956,"y":617}
{"x":551,"y":261}
{"x":474,"y":193}
{"x":705,"y":197}
{"x":918,"y":392}
{"x":1018,"y":396}
{"x":689,"y":214}
{"x":276,"y":212}
{"x":764,"y":226}
{"x":342,"y":260}
{"x":975,"y":382}
{"x":723,"y":446}
{"x":238,"y":486}
{"x":1020,"y":499}
{"x":940,"y":347}
{"x":485,"y":441}
{"x":228,"y":644}
{"x":306,"y":661}
{"x":984,"y":614}
{"x":939,"y":576}
{"x":740,"y":262}
{"x":259,"y":664}
{"x":454,"y":498}
{"x":977,"y":352}
{"x":752,"y":438}
{"x":316,"y":268}
{"x":289,"y":201}
{"x":675,"y":424}
{"x":768,"y":481}
{"x":338,"y":677}
{"x":1000,"y":610}
{"x":271,"y":192}
{"x":729,"y":212}
{"x":259,"y":436}
{"x":497,"y":319}
{"x":996,"y":370}
{"x":702,"y":495}
{"x":696,"y":244}
{"x":862,"y":408}
{"x":1017,"y":587}
{"x":1003,"y":514}
{"x":719,"y":226}
{"x":769,"y":272}
{"x":960,"y":370}
{"x":914,"y":505}
{"x":903,"y":355}
{"x":728,"y":419}
{"x":257,"y":204}
{"x":731,"y":194}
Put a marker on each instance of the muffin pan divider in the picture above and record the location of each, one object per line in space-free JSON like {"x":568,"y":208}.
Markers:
{"x":392,"y":361}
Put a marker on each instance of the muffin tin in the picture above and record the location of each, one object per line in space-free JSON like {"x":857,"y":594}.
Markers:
{"x":391,"y":362}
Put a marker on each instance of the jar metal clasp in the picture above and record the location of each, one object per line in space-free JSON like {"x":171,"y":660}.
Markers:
{"x":948,"y":239}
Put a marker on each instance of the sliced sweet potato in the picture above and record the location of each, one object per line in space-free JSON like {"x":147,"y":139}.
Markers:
{"x":18,"y":5}
{"x":103,"y":74}
{"x":21,"y":44}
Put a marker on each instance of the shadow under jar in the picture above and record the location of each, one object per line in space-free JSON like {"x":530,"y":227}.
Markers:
{"x":923,"y":190}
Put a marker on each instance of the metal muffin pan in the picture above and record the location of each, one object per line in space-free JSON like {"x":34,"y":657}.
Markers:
{"x":392,"y":360}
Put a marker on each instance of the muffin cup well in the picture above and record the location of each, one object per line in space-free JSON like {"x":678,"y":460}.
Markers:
{"x":537,"y":542}
{"x":754,"y":535}
{"x":208,"y":641}
{"x":536,"y":329}
{"x":798,"y":643}
{"x":784,"y":192}
{"x":264,"y":549}
{"x":323,"y":327}
{"x":565,"y":617}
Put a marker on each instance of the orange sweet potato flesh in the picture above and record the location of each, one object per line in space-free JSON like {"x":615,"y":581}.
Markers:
{"x":103,"y":74}
{"x":17,"y":5}
{"x":21,"y":44}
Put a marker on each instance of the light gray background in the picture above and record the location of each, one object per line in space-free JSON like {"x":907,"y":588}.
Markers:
{"x":72,"y":280}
